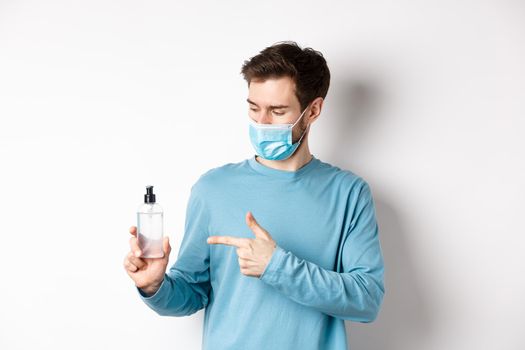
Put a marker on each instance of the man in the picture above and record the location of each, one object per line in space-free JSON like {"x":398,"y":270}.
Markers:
{"x":311,"y":259}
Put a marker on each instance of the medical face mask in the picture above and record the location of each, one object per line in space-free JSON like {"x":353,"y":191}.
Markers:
{"x":274,"y":141}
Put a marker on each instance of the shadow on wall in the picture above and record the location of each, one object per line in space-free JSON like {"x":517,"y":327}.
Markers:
{"x":403,"y":321}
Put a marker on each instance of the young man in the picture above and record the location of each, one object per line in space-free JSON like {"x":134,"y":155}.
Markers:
{"x":311,"y":260}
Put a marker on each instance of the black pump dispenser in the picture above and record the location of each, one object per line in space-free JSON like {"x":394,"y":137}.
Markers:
{"x":149,"y":197}
{"x":150,"y":226}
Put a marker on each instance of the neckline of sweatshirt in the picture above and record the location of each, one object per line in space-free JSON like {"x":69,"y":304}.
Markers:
{"x":283,"y":174}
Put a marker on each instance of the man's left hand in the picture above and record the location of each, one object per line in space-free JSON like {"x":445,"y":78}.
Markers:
{"x":253,"y":253}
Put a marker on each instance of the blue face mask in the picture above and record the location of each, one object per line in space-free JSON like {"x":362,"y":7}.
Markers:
{"x":274,"y":141}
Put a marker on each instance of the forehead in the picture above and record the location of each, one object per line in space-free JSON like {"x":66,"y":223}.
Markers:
{"x":273,"y":91}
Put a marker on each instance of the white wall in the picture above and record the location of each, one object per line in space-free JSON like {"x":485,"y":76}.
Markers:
{"x":100,"y":98}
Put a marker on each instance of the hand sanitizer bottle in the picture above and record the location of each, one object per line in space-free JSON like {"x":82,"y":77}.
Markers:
{"x":149,"y":224}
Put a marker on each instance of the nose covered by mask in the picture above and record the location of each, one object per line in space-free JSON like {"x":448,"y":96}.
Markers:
{"x":274,"y":141}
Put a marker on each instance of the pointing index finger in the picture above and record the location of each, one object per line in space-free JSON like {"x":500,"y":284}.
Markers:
{"x":228,"y":240}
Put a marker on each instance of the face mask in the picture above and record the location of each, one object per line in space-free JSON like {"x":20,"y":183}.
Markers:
{"x":274,"y":141}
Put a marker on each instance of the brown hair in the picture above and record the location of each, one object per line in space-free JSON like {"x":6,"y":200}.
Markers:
{"x":306,"y":67}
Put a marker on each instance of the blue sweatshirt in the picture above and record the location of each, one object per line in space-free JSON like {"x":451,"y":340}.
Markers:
{"x":327,"y":266}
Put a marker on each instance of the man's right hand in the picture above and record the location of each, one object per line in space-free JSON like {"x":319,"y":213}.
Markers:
{"x":147,"y":273}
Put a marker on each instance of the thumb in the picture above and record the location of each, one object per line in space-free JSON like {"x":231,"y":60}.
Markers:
{"x":255,"y":227}
{"x":166,"y":246}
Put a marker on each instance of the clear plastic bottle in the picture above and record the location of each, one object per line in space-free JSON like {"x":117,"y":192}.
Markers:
{"x":150,"y":226}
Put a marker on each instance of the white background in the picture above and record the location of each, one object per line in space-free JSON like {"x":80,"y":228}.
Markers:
{"x":100,"y":98}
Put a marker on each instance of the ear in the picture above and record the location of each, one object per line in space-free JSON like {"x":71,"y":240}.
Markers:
{"x":315,"y":109}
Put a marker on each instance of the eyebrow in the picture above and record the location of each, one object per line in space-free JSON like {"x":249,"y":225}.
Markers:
{"x":271,"y":107}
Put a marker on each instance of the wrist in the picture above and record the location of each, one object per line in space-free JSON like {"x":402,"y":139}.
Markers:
{"x":151,"y":288}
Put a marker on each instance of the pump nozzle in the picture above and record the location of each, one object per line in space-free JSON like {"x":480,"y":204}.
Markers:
{"x":149,"y":197}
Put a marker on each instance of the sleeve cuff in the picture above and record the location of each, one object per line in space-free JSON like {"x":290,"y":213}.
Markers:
{"x":157,"y":295}
{"x":272,"y":270}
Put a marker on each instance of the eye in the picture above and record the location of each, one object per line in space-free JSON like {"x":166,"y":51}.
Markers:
{"x":278,"y":113}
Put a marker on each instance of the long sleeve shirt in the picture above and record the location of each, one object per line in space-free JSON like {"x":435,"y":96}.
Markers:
{"x":327,"y":266}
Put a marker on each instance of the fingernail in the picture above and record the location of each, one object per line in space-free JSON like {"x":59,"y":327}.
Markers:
{"x":137,"y":253}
